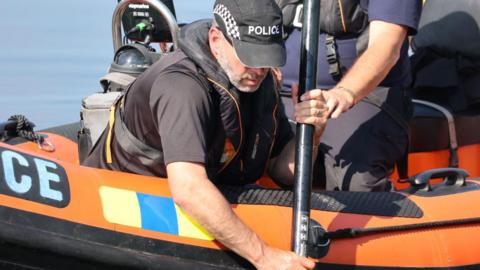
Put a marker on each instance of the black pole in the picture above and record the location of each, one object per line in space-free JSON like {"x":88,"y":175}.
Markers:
{"x":304,"y":138}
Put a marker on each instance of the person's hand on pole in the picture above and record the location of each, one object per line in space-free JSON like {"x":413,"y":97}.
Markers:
{"x":337,"y":100}
{"x":311,"y":109}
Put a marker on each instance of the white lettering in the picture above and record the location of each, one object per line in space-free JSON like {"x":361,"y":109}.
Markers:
{"x":276,"y":29}
{"x":34,"y":179}
{"x":45,"y":177}
{"x":265,"y":30}
{"x":139,"y":6}
{"x":25,"y":183}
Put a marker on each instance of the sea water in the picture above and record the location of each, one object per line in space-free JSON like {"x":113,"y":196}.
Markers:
{"x":53,"y":53}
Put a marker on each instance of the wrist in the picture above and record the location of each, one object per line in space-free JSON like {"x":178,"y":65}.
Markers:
{"x":259,"y":250}
{"x":351,"y":95}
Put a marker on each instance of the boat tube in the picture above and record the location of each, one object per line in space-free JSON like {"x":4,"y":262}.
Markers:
{"x":51,"y":207}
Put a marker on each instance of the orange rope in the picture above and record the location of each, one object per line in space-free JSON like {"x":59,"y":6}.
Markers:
{"x":340,"y":5}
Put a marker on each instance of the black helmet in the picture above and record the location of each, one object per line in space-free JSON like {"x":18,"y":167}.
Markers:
{"x":129,"y":62}
{"x":132,"y":59}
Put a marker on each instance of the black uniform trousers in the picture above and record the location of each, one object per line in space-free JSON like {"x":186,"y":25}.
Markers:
{"x":359,"y":150}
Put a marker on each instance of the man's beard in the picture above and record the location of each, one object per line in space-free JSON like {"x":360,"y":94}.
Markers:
{"x":236,"y":79}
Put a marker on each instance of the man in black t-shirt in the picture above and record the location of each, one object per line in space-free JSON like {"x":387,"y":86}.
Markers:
{"x":367,"y":101}
{"x":209,"y":113}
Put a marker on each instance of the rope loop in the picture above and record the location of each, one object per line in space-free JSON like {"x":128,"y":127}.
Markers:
{"x":24,"y":129}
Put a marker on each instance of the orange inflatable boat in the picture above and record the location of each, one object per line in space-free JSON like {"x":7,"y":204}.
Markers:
{"x":56,"y":214}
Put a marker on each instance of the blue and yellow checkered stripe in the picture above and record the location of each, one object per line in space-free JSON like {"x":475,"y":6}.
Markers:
{"x":149,"y":212}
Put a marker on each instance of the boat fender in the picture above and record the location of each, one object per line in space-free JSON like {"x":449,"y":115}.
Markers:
{"x":318,"y":246}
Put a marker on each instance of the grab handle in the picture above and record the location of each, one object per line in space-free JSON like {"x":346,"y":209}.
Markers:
{"x":452,"y":176}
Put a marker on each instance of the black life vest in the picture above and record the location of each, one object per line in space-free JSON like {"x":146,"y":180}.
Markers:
{"x":338,"y":18}
{"x":245,"y":153}
{"x":235,"y":154}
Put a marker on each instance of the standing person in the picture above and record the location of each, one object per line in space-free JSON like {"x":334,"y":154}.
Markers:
{"x":365,"y":92}
{"x":209,"y":114}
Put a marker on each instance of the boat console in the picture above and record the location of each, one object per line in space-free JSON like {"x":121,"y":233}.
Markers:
{"x":154,"y":16}
{"x":141,"y":18}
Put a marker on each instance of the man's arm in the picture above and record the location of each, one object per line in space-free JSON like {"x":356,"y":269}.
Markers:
{"x":197,"y":196}
{"x":384,"y":46}
{"x":385,"y":43}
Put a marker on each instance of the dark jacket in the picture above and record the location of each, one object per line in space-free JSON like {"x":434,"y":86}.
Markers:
{"x":234,"y":156}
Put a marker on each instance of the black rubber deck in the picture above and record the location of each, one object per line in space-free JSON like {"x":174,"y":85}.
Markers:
{"x":366,"y":203}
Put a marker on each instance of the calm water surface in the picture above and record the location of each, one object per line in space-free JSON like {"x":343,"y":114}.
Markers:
{"x":53,"y":52}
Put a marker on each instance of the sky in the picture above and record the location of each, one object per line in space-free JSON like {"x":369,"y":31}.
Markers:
{"x":53,"y":53}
